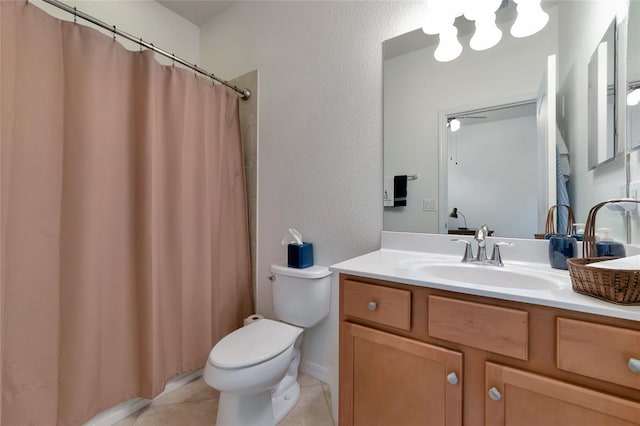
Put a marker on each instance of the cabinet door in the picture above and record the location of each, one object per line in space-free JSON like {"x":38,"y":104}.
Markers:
{"x":518,"y":398}
{"x":391,"y":380}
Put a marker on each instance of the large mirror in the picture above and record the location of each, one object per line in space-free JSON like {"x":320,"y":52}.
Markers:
{"x":601,"y":99}
{"x":633,"y":75}
{"x":422,"y":96}
{"x":632,"y":104}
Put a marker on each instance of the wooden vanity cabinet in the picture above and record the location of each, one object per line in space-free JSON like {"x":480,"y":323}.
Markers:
{"x":411,"y":355}
{"x":517,"y":397}
{"x":399,"y":381}
{"x":394,"y":380}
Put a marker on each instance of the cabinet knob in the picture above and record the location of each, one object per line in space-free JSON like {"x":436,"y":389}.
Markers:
{"x":452,"y":378}
{"x":495,"y":394}
{"x":373,"y":306}
{"x":634,"y":365}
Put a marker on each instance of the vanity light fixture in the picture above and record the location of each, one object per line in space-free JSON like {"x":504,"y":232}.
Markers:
{"x":487,"y":33}
{"x":483,"y":14}
{"x":449,"y":47}
{"x":531,"y":18}
{"x":453,"y":124}
{"x":440,"y":19}
{"x":441,"y":15}
{"x":454,"y":214}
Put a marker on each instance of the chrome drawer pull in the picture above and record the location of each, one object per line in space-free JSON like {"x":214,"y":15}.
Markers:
{"x":495,"y":394}
{"x":373,"y":306}
{"x":634,"y":365}
{"x":452,"y":378}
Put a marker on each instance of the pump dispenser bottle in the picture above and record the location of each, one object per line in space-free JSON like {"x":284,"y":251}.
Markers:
{"x":606,"y":246}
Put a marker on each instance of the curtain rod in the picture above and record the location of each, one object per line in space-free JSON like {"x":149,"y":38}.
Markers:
{"x":244,"y":93}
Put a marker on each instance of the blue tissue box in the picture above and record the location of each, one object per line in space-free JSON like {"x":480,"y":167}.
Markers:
{"x":300,"y":255}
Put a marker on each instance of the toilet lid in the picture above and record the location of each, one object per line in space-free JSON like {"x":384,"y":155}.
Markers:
{"x":253,"y":344}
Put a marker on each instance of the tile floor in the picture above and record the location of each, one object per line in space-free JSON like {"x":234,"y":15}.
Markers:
{"x":196,"y":404}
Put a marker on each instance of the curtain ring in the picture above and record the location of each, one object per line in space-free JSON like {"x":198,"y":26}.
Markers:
{"x":173,"y":60}
{"x":75,"y":15}
{"x":140,"y":44}
{"x":114,"y":33}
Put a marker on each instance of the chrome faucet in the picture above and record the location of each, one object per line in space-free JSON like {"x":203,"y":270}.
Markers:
{"x":481,"y":234}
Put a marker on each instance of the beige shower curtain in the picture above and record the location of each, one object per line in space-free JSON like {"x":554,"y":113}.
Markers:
{"x":124,"y":246}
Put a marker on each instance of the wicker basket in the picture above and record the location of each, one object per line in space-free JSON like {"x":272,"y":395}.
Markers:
{"x":550,"y":227}
{"x":613,"y":285}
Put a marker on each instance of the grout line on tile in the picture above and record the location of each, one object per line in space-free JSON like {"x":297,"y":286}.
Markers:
{"x":137,"y":417}
{"x":328,"y":402}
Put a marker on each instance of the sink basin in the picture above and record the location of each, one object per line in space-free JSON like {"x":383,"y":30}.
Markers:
{"x":492,"y":276}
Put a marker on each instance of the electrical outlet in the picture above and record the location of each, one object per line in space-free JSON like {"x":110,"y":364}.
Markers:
{"x":429,"y":205}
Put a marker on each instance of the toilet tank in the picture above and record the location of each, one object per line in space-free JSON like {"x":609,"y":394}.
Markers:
{"x":301,"y":296}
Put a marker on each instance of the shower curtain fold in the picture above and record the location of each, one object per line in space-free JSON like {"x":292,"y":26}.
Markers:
{"x":124,"y":240}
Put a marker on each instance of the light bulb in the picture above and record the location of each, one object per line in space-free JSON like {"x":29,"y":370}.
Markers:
{"x":437,"y":17}
{"x":531,"y":18}
{"x":633,"y":97}
{"x":434,"y":21}
{"x":487,"y":33}
{"x":440,"y":14}
{"x":476,"y":8}
{"x":454,"y":124}
{"x":449,"y":47}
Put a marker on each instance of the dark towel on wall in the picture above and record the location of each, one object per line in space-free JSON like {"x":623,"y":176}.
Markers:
{"x":400,"y":190}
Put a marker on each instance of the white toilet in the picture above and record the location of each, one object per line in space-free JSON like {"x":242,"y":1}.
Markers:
{"x":255,"y":368}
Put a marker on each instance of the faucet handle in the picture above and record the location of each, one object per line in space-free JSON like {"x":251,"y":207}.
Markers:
{"x":468,"y":252}
{"x":496,"y":258}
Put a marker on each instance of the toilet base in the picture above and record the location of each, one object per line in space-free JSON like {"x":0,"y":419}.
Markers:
{"x":247,"y":410}
{"x":284,"y":403}
{"x":286,"y":394}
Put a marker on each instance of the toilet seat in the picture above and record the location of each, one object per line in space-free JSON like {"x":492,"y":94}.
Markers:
{"x":253,"y":344}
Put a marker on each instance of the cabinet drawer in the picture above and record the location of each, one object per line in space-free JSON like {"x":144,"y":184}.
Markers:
{"x":492,"y":328}
{"x":599,"y":351}
{"x":383,"y":305}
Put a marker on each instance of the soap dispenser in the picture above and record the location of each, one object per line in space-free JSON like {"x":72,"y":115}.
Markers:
{"x":561,"y":248}
{"x":606,"y":246}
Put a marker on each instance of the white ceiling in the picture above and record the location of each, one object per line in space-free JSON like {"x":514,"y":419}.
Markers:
{"x":198,"y":11}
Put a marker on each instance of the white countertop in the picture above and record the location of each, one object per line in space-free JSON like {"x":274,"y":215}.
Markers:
{"x":408,"y":267}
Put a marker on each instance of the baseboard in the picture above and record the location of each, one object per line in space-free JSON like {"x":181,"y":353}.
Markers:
{"x":317,"y":371}
{"x":127,"y":408}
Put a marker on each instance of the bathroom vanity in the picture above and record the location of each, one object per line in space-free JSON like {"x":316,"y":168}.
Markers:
{"x":425,"y":340}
